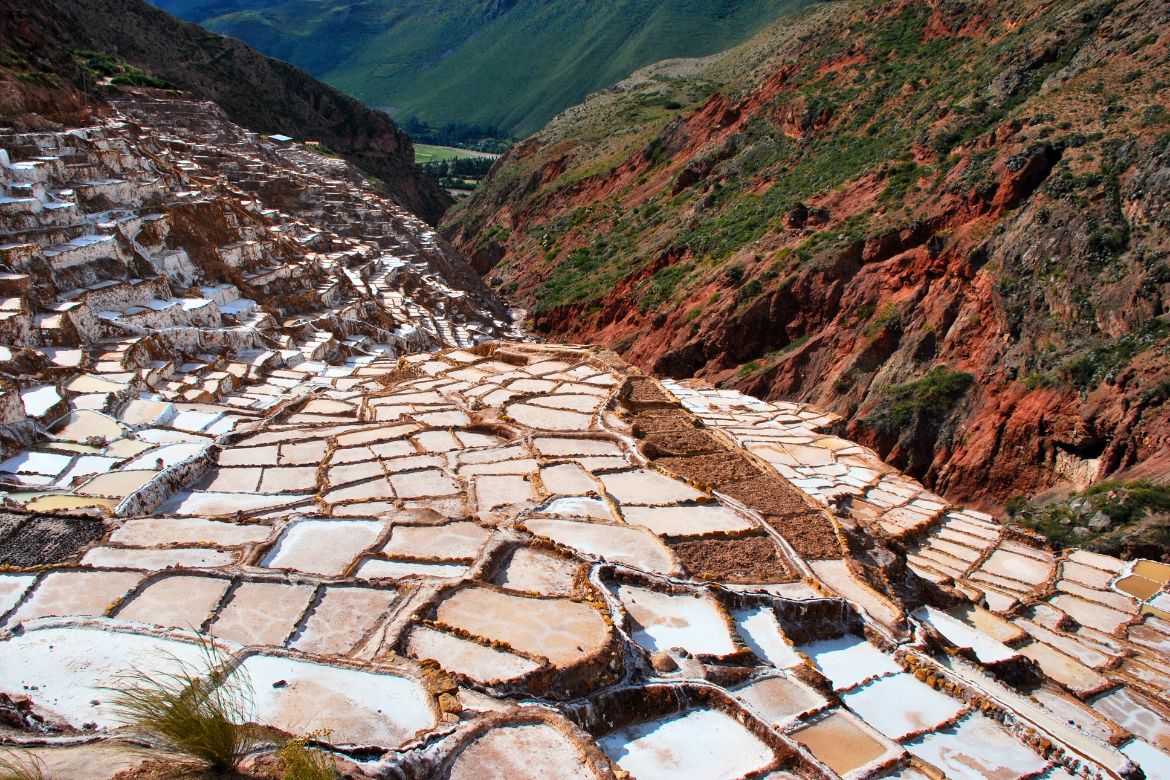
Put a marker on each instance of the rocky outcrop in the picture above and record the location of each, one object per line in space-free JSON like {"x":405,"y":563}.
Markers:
{"x":257,"y":92}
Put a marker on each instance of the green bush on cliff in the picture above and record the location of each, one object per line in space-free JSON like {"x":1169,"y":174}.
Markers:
{"x":929,"y":398}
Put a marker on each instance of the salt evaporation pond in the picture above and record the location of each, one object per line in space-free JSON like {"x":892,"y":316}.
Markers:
{"x":663,"y":621}
{"x":325,"y":547}
{"x":977,"y":749}
{"x":695,"y":745}
{"x":761,"y":631}
{"x":359,"y":708}
{"x":72,"y":668}
{"x":841,"y":742}
{"x":900,"y":705}
{"x":620,"y":544}
{"x":518,"y":753}
{"x":849,"y":660}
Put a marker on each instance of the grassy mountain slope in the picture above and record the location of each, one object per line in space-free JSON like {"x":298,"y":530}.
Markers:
{"x":257,"y":92}
{"x":508,"y":63}
{"x":945,"y":220}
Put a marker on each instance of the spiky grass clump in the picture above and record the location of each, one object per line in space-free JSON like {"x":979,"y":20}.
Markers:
{"x":20,"y":766}
{"x":302,"y":762}
{"x":202,"y":713}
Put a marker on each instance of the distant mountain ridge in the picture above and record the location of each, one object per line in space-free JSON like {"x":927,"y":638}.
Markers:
{"x":262,"y":94}
{"x":511,"y":64}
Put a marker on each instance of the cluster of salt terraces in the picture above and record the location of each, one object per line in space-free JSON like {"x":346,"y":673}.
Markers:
{"x":489,"y":560}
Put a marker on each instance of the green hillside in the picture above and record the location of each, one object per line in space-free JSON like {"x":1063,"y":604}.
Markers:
{"x":511,"y":64}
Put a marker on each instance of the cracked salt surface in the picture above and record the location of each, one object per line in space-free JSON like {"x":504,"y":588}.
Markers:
{"x":694,"y":745}
{"x":662,"y":621}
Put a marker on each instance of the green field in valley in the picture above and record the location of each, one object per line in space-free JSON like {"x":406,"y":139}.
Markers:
{"x":425,"y":153}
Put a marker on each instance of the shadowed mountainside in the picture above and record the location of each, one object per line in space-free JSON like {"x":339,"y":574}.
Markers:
{"x":40,"y":42}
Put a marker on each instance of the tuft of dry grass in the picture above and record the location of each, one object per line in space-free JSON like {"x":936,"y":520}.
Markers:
{"x":302,"y":762}
{"x":20,"y":765}
{"x":202,"y":713}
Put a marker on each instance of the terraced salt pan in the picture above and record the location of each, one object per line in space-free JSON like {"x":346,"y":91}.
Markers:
{"x":687,"y":520}
{"x":341,"y":618}
{"x":154,"y":560}
{"x":86,"y":425}
{"x":841,"y":742}
{"x":325,"y":547}
{"x":849,"y":660}
{"x":619,"y":544}
{"x":544,"y":419}
{"x":76,"y":593}
{"x":561,"y":630}
{"x":12,"y":588}
{"x":1090,"y":614}
{"x":1155,"y":763}
{"x":695,"y":745}
{"x":148,"y":532}
{"x":462,"y":656}
{"x":578,"y":506}
{"x":66,"y":502}
{"x":780,"y":699}
{"x":520,"y":752}
{"x":1131,"y":713}
{"x":836,"y":574}
{"x":562,"y":447}
{"x":71,"y":668}
{"x":358,"y":708}
{"x":762,"y":633}
{"x":1066,"y":670}
{"x":900,"y":705}
{"x":537,"y":571}
{"x":379,"y":568}
{"x":168,"y":455}
{"x":566,"y":479}
{"x":216,"y":504}
{"x":958,"y":633}
{"x":646,"y":487}
{"x":662,"y":621}
{"x":977,"y":748}
{"x":1022,"y":568}
{"x":420,"y":484}
{"x":494,"y":492}
{"x":452,"y":541}
{"x":176,"y":602}
{"x":118,"y":484}
{"x":262,"y":613}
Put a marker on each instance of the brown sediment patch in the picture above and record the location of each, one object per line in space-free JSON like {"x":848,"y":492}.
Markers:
{"x":641,"y":391}
{"x":718,"y":468}
{"x":39,"y":540}
{"x":815,"y":539}
{"x":767,"y":495}
{"x":684,"y":442}
{"x":676,"y":441}
{"x":750,"y":559}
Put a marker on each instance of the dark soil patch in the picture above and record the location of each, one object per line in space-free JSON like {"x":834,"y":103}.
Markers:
{"x":719,"y":468}
{"x":751,"y":559}
{"x":683,"y":441}
{"x":39,"y":540}
{"x":810,"y":534}
{"x":643,"y":390}
{"x":769,"y":495}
